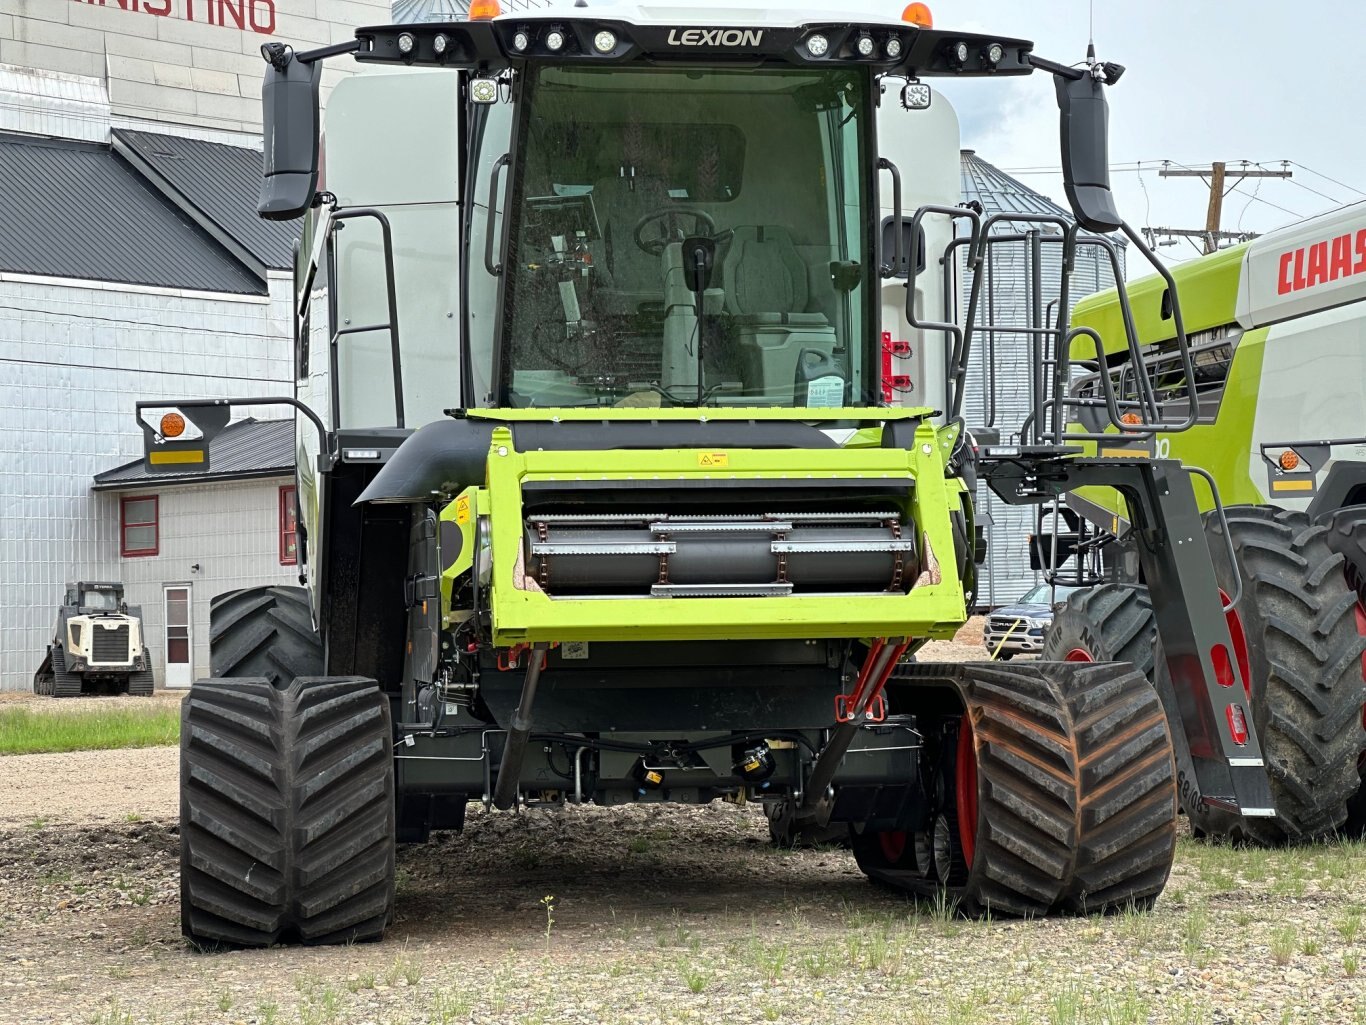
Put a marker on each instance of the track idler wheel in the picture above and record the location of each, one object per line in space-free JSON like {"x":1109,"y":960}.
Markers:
{"x":1054,"y":792}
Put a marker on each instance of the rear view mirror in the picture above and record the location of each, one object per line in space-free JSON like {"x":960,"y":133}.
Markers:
{"x":289,"y":98}
{"x":1085,"y":123}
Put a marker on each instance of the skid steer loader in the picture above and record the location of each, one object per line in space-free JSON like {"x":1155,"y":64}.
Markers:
{"x":606,"y":494}
{"x":97,"y":646}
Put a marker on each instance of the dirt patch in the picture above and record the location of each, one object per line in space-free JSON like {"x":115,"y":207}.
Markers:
{"x":89,"y":786}
{"x":662,"y":915}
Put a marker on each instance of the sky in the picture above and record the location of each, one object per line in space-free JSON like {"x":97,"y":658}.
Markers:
{"x":1206,"y":80}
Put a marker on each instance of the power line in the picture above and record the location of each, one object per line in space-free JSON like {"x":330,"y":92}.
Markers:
{"x":1320,"y":174}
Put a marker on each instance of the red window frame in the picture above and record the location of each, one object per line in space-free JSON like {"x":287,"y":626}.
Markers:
{"x":125,"y":523}
{"x":289,"y":526}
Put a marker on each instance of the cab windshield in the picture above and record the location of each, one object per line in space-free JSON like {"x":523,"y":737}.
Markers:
{"x":99,"y":601}
{"x":689,"y":237}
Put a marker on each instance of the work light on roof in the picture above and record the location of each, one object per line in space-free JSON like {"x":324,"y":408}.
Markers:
{"x":817,"y":45}
{"x":484,"y":90}
{"x":893,"y":48}
{"x":958,"y":53}
{"x":865,"y":46}
{"x":994,"y":53}
{"x":407,"y":43}
{"x":554,"y":40}
{"x":916,"y":96}
{"x":521,"y":39}
{"x":605,"y":41}
{"x":441,"y":44}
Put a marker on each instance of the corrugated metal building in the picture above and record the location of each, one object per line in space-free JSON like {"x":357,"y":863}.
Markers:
{"x":122,"y":279}
{"x":132,"y":265}
{"x":1006,"y":358}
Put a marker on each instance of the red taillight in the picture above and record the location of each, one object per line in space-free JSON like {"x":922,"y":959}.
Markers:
{"x":1237,"y":724}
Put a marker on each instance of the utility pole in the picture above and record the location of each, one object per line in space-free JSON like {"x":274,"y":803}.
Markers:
{"x":1218,"y":173}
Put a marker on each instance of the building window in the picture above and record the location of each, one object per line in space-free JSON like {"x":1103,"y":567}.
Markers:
{"x":138,"y":533}
{"x":289,"y":527}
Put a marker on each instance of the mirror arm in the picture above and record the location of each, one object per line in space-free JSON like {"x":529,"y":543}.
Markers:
{"x":323,"y":52}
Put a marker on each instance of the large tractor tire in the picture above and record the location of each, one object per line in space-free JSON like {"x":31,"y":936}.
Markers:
{"x":1106,"y":623}
{"x":1055,"y":791}
{"x":1347,"y":537}
{"x":286,"y":812}
{"x":264,"y":631}
{"x":1296,"y":642}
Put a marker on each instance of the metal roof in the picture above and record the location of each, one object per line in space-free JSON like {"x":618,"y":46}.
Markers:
{"x":75,"y":210}
{"x":217,"y":186}
{"x":245,"y":449}
{"x":999,"y":193}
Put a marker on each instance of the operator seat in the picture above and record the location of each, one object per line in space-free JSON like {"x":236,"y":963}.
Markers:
{"x":636,"y":277}
{"x":766,"y":295}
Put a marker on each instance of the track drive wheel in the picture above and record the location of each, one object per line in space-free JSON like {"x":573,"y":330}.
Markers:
{"x":1055,"y":791}
{"x":1296,"y":640}
{"x":264,"y":631}
{"x":1347,"y":537}
{"x":286,"y":812}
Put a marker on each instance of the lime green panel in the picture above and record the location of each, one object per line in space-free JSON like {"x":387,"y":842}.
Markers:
{"x":1207,"y":287}
{"x":464,"y":513}
{"x":523,"y":614}
{"x":1223,"y":448}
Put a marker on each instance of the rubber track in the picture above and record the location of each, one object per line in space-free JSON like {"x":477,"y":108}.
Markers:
{"x":1305,"y":652}
{"x":64,"y":684}
{"x":1077,"y":795}
{"x":287,"y":812}
{"x":263,"y":632}
{"x":141,"y":685}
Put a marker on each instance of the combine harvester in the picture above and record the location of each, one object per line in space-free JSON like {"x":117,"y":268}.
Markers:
{"x":605,"y":494}
{"x":1277,"y":371}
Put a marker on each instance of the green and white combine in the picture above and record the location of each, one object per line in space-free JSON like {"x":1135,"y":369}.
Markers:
{"x":1276,"y":371}
{"x":605,"y":497}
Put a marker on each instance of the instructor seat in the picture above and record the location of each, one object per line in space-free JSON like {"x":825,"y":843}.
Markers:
{"x":765,"y":281}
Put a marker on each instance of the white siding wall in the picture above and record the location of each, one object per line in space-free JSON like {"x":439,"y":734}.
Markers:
{"x":74,"y":357}
{"x":230,"y":531}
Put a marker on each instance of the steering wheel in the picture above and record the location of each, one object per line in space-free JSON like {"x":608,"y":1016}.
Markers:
{"x":670,"y":227}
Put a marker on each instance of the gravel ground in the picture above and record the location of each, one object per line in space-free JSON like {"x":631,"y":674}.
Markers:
{"x":656,"y":915}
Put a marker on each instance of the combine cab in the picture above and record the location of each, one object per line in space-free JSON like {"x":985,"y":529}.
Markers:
{"x":97,"y":646}
{"x":606,"y":495}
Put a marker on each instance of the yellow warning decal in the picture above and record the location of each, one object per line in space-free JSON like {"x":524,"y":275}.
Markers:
{"x":182,"y":456}
{"x":1292,"y":485}
{"x":1124,"y":453}
{"x":462,"y":509}
{"x":713,"y":460}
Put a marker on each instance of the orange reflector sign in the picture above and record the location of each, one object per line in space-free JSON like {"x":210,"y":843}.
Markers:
{"x":182,"y":456}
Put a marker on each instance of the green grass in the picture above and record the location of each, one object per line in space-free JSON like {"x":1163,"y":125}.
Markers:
{"x":25,"y":731}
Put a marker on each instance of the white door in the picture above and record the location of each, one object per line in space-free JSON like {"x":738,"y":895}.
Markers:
{"x":179,"y":657}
